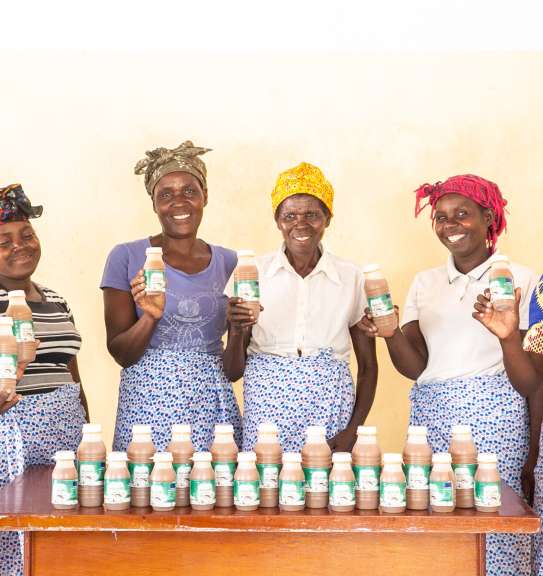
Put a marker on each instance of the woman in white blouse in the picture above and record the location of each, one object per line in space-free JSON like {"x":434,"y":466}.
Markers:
{"x":295,"y":359}
{"x":458,"y":364}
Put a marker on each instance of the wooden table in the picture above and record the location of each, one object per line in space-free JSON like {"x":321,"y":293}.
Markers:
{"x":226,"y":542}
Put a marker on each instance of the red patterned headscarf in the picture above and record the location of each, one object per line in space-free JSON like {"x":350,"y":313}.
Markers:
{"x":483,"y":192}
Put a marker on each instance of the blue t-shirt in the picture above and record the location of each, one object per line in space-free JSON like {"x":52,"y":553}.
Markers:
{"x":195,"y":313}
{"x":533,"y":341}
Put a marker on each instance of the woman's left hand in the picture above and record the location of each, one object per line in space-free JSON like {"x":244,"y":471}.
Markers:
{"x":343,"y":441}
{"x":527,"y":480}
{"x":502,"y":323}
{"x":8,"y":399}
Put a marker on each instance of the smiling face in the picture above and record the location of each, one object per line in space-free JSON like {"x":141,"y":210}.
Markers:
{"x":20,"y":250}
{"x":462,"y":225}
{"x":179,"y":200}
{"x":302,"y":220}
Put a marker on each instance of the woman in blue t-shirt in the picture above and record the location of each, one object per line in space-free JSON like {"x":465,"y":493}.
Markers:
{"x":169,"y":345}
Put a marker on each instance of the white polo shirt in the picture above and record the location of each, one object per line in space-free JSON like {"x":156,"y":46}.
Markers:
{"x":442,"y":299}
{"x":307,"y":314}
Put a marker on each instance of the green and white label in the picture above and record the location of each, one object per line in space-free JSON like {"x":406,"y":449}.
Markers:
{"x":155,"y":280}
{"x":224,"y":473}
{"x":342,"y":493}
{"x":182,"y":474}
{"x":246,"y":493}
{"x":465,"y":476}
{"x":162,"y":494}
{"x":316,"y":479}
{"x":392,"y":494}
{"x":417,"y":476}
{"x":291,"y":492}
{"x":8,"y":366}
{"x":23,"y":330}
{"x":247,"y":289}
{"x":269,"y":475}
{"x":367,"y":478}
{"x":117,"y":491}
{"x":91,"y":473}
{"x":502,"y":288}
{"x":202,"y":492}
{"x":140,"y":474}
{"x":380,"y":305}
{"x":64,"y":492}
{"x":488,"y":494}
{"x":441,"y":493}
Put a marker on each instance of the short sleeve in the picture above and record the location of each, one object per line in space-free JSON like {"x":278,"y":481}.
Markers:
{"x":411,"y":308}
{"x":528,"y":289}
{"x":533,"y":341}
{"x":116,"y":269}
{"x":359,"y":300}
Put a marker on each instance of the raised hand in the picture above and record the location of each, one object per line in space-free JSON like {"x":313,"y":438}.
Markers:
{"x":152,"y":304}
{"x":502,"y":323}
{"x":239,"y":314}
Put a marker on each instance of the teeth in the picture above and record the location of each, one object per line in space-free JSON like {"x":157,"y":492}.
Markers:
{"x":301,"y":238}
{"x":455,"y":238}
{"x":181,"y":217}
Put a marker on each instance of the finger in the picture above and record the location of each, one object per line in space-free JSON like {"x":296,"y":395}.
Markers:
{"x":518,"y":294}
{"x":482,"y":308}
{"x":7,"y":405}
{"x":483,"y":299}
{"x":487,"y":294}
{"x":139,"y":278}
{"x":478,"y":316}
{"x":235,"y":300}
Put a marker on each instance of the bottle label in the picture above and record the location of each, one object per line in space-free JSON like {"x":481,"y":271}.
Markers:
{"x":249,"y":290}
{"x":342,"y":493}
{"x":117,"y":491}
{"x":367,"y":478}
{"x":91,"y":473}
{"x":182,"y":474}
{"x":417,"y":476}
{"x":8,"y":366}
{"x":502,"y":288}
{"x":139,"y":474}
{"x":291,"y":492}
{"x":487,"y":494}
{"x":23,"y":330}
{"x":202,"y":492}
{"x":316,"y":479}
{"x":465,"y":476}
{"x":380,"y":305}
{"x":392,"y":494}
{"x":224,"y":473}
{"x":246,"y":493}
{"x":162,"y":494}
{"x":155,"y":280}
{"x":441,"y":493}
{"x":269,"y":475}
{"x":64,"y":492}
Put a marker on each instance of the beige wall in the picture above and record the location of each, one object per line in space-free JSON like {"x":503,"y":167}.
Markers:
{"x":73,"y":124}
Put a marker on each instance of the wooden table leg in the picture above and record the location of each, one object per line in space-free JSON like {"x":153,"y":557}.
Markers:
{"x":27,"y":553}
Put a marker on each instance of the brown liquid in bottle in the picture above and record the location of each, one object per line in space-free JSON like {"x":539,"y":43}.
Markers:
{"x":417,"y":458}
{"x":23,"y":325}
{"x":367,"y":468}
{"x":379,"y":301}
{"x":464,"y":463}
{"x":268,"y":461}
{"x":246,"y":483}
{"x":487,"y":484}
{"x":64,"y":481}
{"x":202,"y":482}
{"x":342,"y":483}
{"x":292,"y":493}
{"x":316,"y":464}
{"x":154,"y":271}
{"x":91,"y":456}
{"x":117,"y":482}
{"x":140,"y":464}
{"x":501,"y":283}
{"x":442,"y":489}
{"x":225,"y":455}
{"x":246,"y":283}
{"x":8,"y":355}
{"x":392,"y":497}
{"x":182,"y":450}
{"x":163,"y":477}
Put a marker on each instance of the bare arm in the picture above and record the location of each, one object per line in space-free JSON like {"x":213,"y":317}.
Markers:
{"x":74,"y":371}
{"x":240,"y":322}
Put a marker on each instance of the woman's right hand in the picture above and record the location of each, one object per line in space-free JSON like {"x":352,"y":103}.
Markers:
{"x":502,"y":323}
{"x":151,"y":304}
{"x":367,"y":325}
{"x":8,"y":399}
{"x":239,"y":314}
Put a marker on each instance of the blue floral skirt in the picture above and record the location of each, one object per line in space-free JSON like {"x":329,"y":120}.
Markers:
{"x":294,"y":393}
{"x":499,"y":421}
{"x":166,"y":387}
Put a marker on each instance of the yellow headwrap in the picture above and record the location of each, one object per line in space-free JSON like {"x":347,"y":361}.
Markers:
{"x":303,"y":179}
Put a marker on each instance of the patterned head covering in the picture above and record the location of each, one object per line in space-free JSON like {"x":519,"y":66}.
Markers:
{"x":303,"y":179}
{"x":483,"y":192}
{"x":162,"y":161}
{"x":15,"y":205}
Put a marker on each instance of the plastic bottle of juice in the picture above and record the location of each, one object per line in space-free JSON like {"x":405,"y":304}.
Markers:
{"x":246,"y":284}
{"x":268,"y":462}
{"x":140,"y":464}
{"x":182,"y":451}
{"x":163,"y":482}
{"x":487,"y":484}
{"x":225,"y":455}
{"x":202,"y":482}
{"x":246,"y":483}
{"x":379,"y":300}
{"x":464,"y":464}
{"x":316,"y":463}
{"x":501,"y":284}
{"x":342,"y":483}
{"x":392,"y":497}
{"x":117,"y":482}
{"x":154,"y":271}
{"x":23,"y":325}
{"x":442,"y":491}
{"x":64,"y":481}
{"x":292,"y":493}
{"x":91,"y":462}
{"x":417,"y":457}
{"x":367,"y":468}
{"x":8,"y":354}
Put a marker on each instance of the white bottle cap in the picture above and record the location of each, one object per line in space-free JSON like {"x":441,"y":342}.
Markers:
{"x":16,"y":294}
{"x":267,"y":428}
{"x":392,"y":458}
{"x":224,"y":429}
{"x":246,"y":253}
{"x":201,"y":457}
{"x":6,"y":321}
{"x":246,"y":457}
{"x":371,"y":268}
{"x":441,"y":458}
{"x":367,"y":430}
{"x":163,"y":457}
{"x":292,"y":458}
{"x":181,"y":429}
{"x":153,"y":250}
{"x":315,"y":431}
{"x":341,"y":457}
{"x":64,"y":455}
{"x":117,"y":457}
{"x":461,"y":429}
{"x":141,"y":429}
{"x":417,"y":431}
{"x":92,"y":428}
{"x":487,"y":458}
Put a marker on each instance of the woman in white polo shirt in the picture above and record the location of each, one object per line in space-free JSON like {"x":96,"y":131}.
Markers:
{"x":456,"y":363}
{"x":295,"y":360}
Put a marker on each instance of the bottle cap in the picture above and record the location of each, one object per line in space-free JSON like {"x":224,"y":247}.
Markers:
{"x":163,"y":457}
{"x":224,"y":429}
{"x":417,"y":431}
{"x":267,"y":428}
{"x":64,"y":455}
{"x":16,"y":294}
{"x":181,"y":429}
{"x":92,"y":428}
{"x":367,"y":431}
{"x":117,"y":457}
{"x":392,"y":458}
{"x":153,"y":250}
{"x":292,"y":458}
{"x":316,"y":431}
{"x":6,"y":321}
{"x":246,"y":457}
{"x":461,"y":429}
{"x":141,"y":429}
{"x":487,"y":458}
{"x":371,"y":268}
{"x":201,"y":457}
{"x":441,"y":458}
{"x":246,"y":253}
{"x":341,"y":457}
